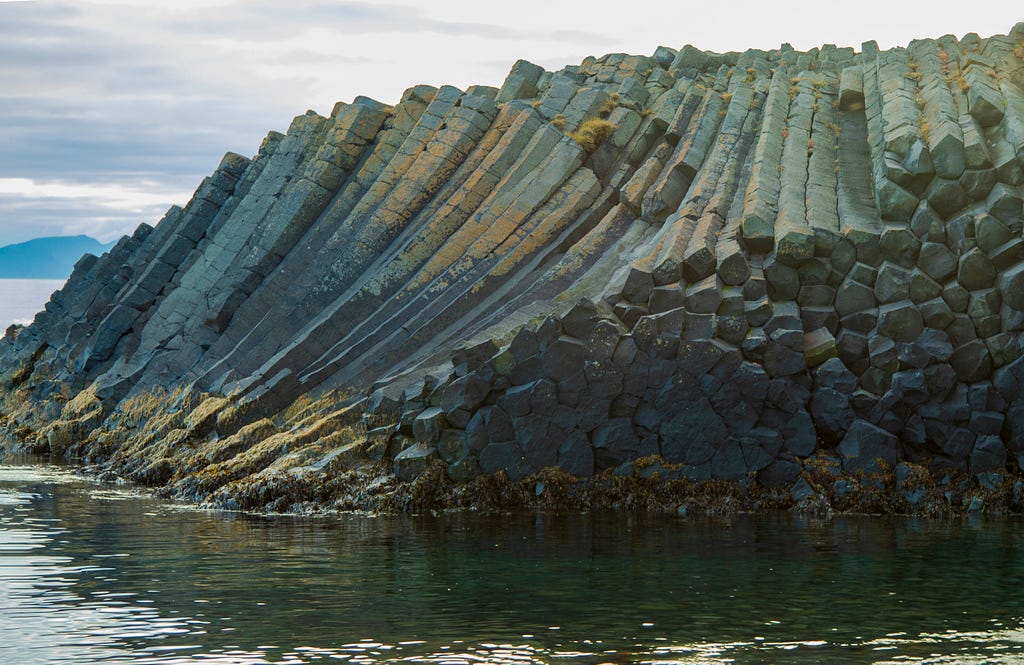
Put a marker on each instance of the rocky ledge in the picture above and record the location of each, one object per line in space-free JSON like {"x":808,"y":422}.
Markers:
{"x":760,"y":280}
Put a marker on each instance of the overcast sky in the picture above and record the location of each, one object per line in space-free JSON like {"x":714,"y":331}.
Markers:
{"x":110,"y":111}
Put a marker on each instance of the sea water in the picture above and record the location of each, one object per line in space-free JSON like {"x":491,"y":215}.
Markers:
{"x":20,"y":299}
{"x":93,"y":573}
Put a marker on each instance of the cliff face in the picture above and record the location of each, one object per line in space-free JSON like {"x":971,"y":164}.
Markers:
{"x":740,"y":263}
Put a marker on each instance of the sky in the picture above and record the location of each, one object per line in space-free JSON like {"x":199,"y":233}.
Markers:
{"x":113,"y":110}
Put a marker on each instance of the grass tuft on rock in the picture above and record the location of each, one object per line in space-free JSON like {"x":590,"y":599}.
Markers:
{"x":592,"y":133}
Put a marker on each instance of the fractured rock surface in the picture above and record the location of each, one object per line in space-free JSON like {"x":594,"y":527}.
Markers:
{"x":770,"y":254}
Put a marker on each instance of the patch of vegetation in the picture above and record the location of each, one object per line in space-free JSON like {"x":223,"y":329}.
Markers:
{"x":592,"y":133}
{"x":609,"y":105}
{"x":962,"y":82}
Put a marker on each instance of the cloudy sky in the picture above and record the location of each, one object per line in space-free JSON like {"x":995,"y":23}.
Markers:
{"x":111,"y":110}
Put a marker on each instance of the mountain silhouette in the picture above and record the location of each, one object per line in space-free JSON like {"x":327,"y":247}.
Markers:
{"x":46,"y":258}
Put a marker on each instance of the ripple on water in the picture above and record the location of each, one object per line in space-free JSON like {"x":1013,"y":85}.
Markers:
{"x":97,"y":574}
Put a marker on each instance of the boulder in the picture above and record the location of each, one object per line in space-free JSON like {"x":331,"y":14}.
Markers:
{"x":832,"y":414}
{"x":576,"y":455}
{"x":614,"y":442}
{"x":975,"y":270}
{"x":428,"y":425}
{"x":972,"y":361}
{"x":866,"y":447}
{"x":988,"y":454}
{"x":413,"y":461}
{"x":563,"y":358}
{"x":504,"y":456}
{"x":900,"y":321}
{"x":819,"y":346}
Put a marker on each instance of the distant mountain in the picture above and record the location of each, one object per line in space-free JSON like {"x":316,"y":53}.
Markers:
{"x":46,"y":258}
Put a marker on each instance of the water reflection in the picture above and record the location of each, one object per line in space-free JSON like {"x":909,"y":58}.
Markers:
{"x":94,"y":574}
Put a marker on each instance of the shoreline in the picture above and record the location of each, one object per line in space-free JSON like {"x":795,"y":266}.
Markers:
{"x":370,"y":489}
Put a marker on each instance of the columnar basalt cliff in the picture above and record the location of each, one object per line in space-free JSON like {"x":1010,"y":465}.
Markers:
{"x":801,"y":272}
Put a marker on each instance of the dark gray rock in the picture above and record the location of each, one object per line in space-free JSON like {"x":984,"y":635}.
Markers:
{"x":1011,"y":286}
{"x":690,"y":429}
{"x":498,"y":425}
{"x":832,"y":414}
{"x":516,"y":400}
{"x":539,"y":448}
{"x":923,"y":288}
{"x":865,"y":446}
{"x":504,"y":456}
{"x":989,"y":454}
{"x":780,"y":473}
{"x":543,"y":398}
{"x":956,"y":296}
{"x":464,"y":470}
{"x":937,"y":261}
{"x":576,"y":456}
{"x":802,"y":490}
{"x":910,"y":387}
{"x":900,"y":245}
{"x":614,"y":442}
{"x":852,"y":297}
{"x":728,"y":461}
{"x":563,"y":358}
{"x":1004,"y":202}
{"x":946,"y":196}
{"x":991,"y":233}
{"x":936,"y":314}
{"x":835,"y":375}
{"x":666,"y":297}
{"x":959,"y":443}
{"x":581,"y":320}
{"x":972,"y":361}
{"x":798,"y":433}
{"x":428,"y":425}
{"x":413,"y":461}
{"x":892,"y":284}
{"x":900,"y":320}
{"x":975,"y":270}
{"x":986,"y":422}
{"x":454,"y":445}
{"x":465,"y":393}
{"x":705,"y":296}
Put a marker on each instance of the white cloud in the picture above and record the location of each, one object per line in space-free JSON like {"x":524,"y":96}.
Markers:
{"x":33,"y":208}
{"x":135,"y":198}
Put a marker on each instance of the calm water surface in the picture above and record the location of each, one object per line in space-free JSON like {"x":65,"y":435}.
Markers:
{"x":20,"y":299}
{"x":94,"y":574}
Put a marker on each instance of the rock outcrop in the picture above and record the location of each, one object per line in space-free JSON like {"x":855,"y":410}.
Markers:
{"x":734,"y":266}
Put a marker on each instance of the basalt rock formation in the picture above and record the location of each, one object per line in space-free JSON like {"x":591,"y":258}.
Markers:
{"x":745,"y":266}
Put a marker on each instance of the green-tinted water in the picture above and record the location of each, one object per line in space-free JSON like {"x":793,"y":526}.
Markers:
{"x":90,"y":574}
